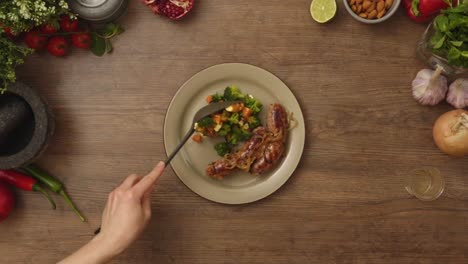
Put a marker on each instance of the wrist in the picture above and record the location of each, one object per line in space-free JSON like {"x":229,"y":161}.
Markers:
{"x":103,"y":249}
{"x":97,"y":251}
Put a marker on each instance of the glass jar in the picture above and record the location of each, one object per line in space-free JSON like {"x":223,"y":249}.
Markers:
{"x":434,"y":60}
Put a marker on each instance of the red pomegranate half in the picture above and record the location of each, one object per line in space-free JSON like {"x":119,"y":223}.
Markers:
{"x":173,"y":9}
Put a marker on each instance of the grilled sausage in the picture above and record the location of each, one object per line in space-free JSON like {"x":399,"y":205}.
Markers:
{"x":240,"y":159}
{"x":269,"y":155}
{"x":261,"y":152}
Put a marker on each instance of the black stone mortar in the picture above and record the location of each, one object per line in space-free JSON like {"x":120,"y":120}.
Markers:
{"x":26,"y":124}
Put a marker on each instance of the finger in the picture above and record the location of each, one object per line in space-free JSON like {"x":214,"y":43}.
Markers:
{"x":149,"y":180}
{"x":146,"y":204}
{"x":129,"y":182}
{"x":150,"y":190}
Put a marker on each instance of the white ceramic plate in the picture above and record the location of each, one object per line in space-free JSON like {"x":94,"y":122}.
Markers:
{"x":191,"y":162}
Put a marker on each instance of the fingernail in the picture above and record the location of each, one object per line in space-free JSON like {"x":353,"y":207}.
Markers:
{"x":161,"y":164}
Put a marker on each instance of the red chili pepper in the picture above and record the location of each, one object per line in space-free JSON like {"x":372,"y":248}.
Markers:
{"x":53,"y":184}
{"x":24,"y":182}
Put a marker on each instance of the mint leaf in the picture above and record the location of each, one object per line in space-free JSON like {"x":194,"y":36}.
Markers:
{"x":110,"y":30}
{"x":456,"y":43}
{"x":453,"y":54}
{"x":108,"y":46}
{"x":438,"y":44}
{"x":442,"y":23}
{"x":98,"y":45}
{"x":102,"y":38}
{"x":118,"y":29}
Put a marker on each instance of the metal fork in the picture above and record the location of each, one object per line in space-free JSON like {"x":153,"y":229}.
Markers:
{"x":203,"y":112}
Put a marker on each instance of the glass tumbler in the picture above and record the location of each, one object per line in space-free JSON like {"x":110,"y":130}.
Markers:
{"x":426,"y":184}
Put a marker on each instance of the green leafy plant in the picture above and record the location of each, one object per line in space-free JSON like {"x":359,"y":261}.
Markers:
{"x":450,"y":38}
{"x":101,"y":43}
{"x":23,"y":15}
{"x":11,"y":55}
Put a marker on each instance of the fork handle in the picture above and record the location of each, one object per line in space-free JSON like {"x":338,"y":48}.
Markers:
{"x":181,"y":144}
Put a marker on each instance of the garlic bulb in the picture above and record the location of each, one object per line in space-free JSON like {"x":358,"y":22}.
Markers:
{"x":429,"y":87}
{"x":458,"y":93}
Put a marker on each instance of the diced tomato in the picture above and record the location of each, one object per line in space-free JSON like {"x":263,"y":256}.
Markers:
{"x":217,"y":119}
{"x":210,"y":132}
{"x":209,"y":99}
{"x":197,"y":138}
{"x":246,"y":112}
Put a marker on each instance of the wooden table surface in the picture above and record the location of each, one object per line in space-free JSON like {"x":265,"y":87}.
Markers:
{"x":345,"y":203}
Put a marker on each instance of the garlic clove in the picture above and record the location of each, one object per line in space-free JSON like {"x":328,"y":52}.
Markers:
{"x":458,"y":93}
{"x":429,"y":87}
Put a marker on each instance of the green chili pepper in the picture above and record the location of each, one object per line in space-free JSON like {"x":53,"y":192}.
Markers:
{"x":53,"y":184}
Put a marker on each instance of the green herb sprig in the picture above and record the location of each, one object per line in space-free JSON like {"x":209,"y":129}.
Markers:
{"x":23,"y":15}
{"x":11,"y":55}
{"x":101,"y":43}
{"x":450,"y":39}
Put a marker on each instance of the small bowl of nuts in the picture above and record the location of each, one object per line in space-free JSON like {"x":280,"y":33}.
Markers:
{"x":371,"y":11}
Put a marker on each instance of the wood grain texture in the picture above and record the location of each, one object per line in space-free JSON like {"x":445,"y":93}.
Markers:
{"x":345,"y":203}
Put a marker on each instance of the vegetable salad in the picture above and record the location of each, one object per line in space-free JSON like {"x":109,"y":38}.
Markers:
{"x":235,"y":123}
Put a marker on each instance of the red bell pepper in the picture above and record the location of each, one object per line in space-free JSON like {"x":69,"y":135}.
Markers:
{"x":429,"y":7}
{"x":409,"y":11}
{"x":424,"y":10}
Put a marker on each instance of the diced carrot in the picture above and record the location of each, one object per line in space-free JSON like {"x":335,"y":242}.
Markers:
{"x":197,"y":138}
{"x":209,"y":99}
{"x":217,"y":119}
{"x":246,"y":112}
{"x":237,"y":107}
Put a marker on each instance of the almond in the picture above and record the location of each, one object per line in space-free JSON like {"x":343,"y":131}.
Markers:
{"x":371,"y":7}
{"x":380,"y":5}
{"x":359,"y":9}
{"x":352,"y":2}
{"x":381,"y":14}
{"x":366,"y":4}
{"x":358,"y":2}
{"x":372,"y":14}
{"x":363,"y":15}
{"x":354,"y":8}
{"x":388,"y":4}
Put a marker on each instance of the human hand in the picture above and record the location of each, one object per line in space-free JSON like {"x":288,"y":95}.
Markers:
{"x":128,"y":211}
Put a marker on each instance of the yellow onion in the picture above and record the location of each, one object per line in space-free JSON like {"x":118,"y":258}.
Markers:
{"x":451,"y":132}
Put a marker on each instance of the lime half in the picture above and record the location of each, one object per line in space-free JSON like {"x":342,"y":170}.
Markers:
{"x":323,"y":10}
